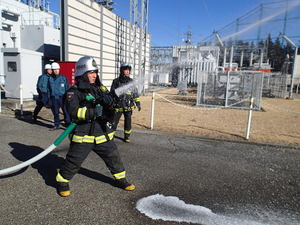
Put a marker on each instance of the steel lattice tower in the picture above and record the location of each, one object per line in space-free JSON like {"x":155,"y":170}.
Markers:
{"x":138,"y":37}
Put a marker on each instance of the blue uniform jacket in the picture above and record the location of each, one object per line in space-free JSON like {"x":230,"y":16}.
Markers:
{"x":58,"y":86}
{"x":42,"y":85}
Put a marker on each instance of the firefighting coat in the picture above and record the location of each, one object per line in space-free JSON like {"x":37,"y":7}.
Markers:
{"x":92,"y":114}
{"x":128,"y":100}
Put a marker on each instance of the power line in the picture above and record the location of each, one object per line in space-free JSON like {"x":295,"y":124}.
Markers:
{"x":208,"y":15}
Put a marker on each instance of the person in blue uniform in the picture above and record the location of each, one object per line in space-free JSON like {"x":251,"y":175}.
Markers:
{"x":42,"y":88}
{"x":58,"y":85}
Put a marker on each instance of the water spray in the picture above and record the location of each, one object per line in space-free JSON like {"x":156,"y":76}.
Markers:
{"x":262,"y":21}
{"x":136,"y":83}
{"x":42,"y":154}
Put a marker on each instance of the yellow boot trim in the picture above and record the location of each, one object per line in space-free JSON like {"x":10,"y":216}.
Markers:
{"x":130,"y":188}
{"x":64,"y":193}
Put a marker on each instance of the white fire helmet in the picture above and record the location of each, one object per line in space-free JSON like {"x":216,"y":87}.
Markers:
{"x":48,"y":67}
{"x":85,"y":64}
{"x":55,"y":66}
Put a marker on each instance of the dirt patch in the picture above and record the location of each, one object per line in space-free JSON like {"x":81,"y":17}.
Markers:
{"x":277,"y":123}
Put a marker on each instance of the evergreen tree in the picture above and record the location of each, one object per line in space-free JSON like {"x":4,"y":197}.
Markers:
{"x":277,"y":55}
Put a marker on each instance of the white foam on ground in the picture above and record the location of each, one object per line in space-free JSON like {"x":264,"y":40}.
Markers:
{"x":169,"y":208}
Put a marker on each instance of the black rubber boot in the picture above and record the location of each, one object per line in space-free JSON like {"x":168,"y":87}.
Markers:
{"x":34,"y":118}
{"x":122,"y":183}
{"x":126,"y":138}
{"x":63,"y":189}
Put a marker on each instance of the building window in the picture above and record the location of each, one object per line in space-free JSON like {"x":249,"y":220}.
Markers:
{"x":12,"y":66}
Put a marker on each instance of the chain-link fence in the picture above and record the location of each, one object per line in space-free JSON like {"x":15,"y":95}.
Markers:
{"x":231,"y":89}
{"x":275,"y":86}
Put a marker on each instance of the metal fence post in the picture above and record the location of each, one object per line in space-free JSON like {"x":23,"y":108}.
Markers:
{"x":21,"y":99}
{"x":249,"y":118}
{"x":152,"y":111}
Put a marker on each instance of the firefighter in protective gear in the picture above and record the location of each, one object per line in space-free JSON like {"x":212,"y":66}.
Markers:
{"x":89,"y":104}
{"x":127,"y":102}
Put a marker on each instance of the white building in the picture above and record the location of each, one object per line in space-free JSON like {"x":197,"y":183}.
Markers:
{"x":29,"y":38}
{"x":85,"y":28}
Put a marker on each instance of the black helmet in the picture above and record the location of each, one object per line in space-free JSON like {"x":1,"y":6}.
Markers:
{"x":125,"y":66}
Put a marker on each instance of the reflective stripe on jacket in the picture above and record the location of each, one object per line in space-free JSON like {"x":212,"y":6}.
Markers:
{"x":91,"y":139}
{"x":89,"y":129}
{"x":126,"y":109}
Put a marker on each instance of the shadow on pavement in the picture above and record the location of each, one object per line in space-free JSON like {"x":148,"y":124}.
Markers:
{"x":96,"y":176}
{"x":49,"y":165}
{"x":46,"y":167}
{"x":27,"y":117}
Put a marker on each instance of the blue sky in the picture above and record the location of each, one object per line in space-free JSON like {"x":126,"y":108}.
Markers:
{"x":169,"y":20}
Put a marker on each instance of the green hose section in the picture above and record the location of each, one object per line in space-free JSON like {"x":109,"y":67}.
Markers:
{"x":65,"y":134}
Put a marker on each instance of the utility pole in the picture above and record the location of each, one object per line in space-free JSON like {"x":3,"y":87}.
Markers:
{"x":185,"y":67}
{"x":138,"y":39}
{"x":188,"y":41}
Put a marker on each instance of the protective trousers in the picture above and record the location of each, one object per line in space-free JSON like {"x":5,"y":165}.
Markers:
{"x":127,"y":121}
{"x":78,"y":152}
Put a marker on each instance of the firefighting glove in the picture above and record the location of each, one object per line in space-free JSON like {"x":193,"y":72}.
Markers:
{"x":138,"y":105}
{"x":108,"y":99}
{"x":90,"y":101}
{"x":89,"y":98}
{"x":105,"y":100}
{"x":90,"y":114}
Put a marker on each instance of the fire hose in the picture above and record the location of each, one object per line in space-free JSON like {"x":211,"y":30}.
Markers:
{"x":42,"y":154}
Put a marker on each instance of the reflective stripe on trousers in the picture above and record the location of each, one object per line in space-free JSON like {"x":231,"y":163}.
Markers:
{"x":59,"y":178}
{"x":127,"y":131}
{"x":119,"y":176}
